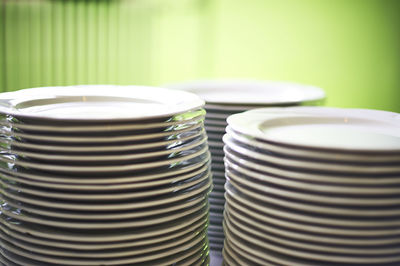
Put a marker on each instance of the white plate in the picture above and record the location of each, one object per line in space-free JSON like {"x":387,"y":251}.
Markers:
{"x":76,"y":215}
{"x":376,"y":212}
{"x":311,"y":186}
{"x":260,"y":248}
{"x":155,"y":145}
{"x":165,"y":257}
{"x":103,"y":168}
{"x":108,"y":158}
{"x":251,"y":92}
{"x":85,"y":182}
{"x":52,"y":251}
{"x":97,"y":102}
{"x":108,"y":197}
{"x":339,"y":179}
{"x":202,"y":187}
{"x":307,"y":244}
{"x":314,"y":223}
{"x":267,"y":190}
{"x":297,"y":233}
{"x":50,"y":184}
{"x":188,"y":118}
{"x":104,"y":239}
{"x":344,"y":130}
{"x":309,"y":165}
{"x":103,"y":225}
{"x":312,"y":154}
{"x":110,"y":138}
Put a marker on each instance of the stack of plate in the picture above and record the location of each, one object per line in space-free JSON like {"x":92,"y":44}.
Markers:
{"x":103,"y":175}
{"x":312,"y":186}
{"x":224,"y":98}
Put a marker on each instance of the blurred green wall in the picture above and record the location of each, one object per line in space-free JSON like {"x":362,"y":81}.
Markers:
{"x":351,"y":48}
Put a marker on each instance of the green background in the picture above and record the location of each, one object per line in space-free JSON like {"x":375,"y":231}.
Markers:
{"x":351,"y":48}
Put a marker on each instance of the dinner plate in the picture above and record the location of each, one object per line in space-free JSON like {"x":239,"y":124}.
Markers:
{"x":311,"y":186}
{"x":123,"y":252}
{"x":297,"y":234}
{"x":92,"y":103}
{"x":108,"y":180}
{"x":113,"y":239}
{"x":107,"y":158}
{"x":168,"y":256}
{"x":317,"y":166}
{"x":312,"y":154}
{"x":188,"y":118}
{"x":341,"y":179}
{"x":127,"y":167}
{"x":94,"y":206}
{"x":330,"y":199}
{"x":132,"y":185}
{"x":251,"y":92}
{"x":104,"y":149}
{"x":314,"y":222}
{"x":332,"y":248}
{"x":105,"y":140}
{"x":259,"y":247}
{"x":343,"y":130}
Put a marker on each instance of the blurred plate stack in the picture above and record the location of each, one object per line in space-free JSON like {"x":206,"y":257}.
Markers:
{"x":224,"y":98}
{"x":103,"y":175}
{"x":312,"y":186}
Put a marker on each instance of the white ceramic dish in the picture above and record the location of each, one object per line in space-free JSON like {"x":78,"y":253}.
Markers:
{"x":103,"y":225}
{"x":303,"y":165}
{"x":97,"y":103}
{"x":133,"y":185}
{"x":311,"y":154}
{"x":314,"y":223}
{"x":339,"y":179}
{"x":50,"y":250}
{"x":115,"y":239}
{"x":299,"y":234}
{"x":107,"y":158}
{"x":344,"y":130}
{"x":110,"y":138}
{"x":115,"y":180}
{"x":188,"y":118}
{"x":109,"y":197}
{"x":260,"y":247}
{"x":77,"y":169}
{"x":251,"y":92}
{"x":169,"y":256}
{"x":296,"y":195}
{"x":134,"y":147}
{"x":312,"y":187}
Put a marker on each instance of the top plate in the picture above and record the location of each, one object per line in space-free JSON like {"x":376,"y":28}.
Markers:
{"x":97,"y":102}
{"x":251,"y":92}
{"x":353,"y":130}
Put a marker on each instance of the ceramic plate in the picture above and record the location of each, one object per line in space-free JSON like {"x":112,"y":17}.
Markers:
{"x":128,"y":167}
{"x":89,"y":159}
{"x":344,"y":130}
{"x":310,"y":154}
{"x":104,"y":140}
{"x":97,"y":103}
{"x":251,"y":92}
{"x":117,"y":238}
{"x":330,"y":189}
{"x":86,"y":182}
{"x":340,"y":179}
{"x":315,"y":223}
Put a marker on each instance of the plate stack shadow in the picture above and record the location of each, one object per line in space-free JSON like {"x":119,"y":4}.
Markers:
{"x":224,"y":98}
{"x":312,"y":186}
{"x":103,"y":175}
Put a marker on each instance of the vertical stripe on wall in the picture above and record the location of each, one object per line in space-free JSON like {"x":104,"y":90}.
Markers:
{"x":57,"y":42}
